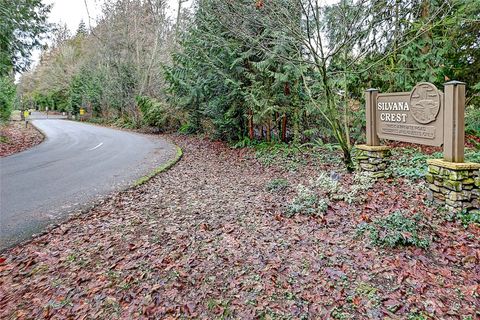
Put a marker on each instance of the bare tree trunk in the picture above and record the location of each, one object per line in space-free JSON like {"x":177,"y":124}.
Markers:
{"x":179,"y":12}
{"x":269,"y":128}
{"x":284,"y":128}
{"x":250,"y":125}
{"x":424,"y":17}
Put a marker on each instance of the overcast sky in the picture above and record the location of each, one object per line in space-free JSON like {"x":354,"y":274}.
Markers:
{"x":71,"y":12}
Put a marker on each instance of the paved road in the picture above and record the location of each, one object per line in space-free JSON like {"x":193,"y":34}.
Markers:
{"x":76,"y":164}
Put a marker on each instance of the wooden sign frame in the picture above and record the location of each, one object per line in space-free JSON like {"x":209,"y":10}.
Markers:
{"x":424,"y":115}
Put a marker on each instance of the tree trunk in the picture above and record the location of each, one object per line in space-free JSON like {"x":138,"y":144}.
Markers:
{"x":296,"y":127}
{"x":347,"y":160}
{"x":424,"y":17}
{"x":250,"y":125}
{"x":284,"y":128}
{"x":269,"y":125}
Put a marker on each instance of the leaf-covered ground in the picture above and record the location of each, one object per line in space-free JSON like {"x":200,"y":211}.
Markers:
{"x":14,"y":137}
{"x":208,"y":240}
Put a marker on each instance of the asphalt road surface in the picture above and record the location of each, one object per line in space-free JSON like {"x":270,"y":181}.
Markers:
{"x":75,"y":165}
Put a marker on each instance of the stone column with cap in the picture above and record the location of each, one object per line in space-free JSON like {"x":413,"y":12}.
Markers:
{"x":453,"y":182}
{"x":372,"y":157}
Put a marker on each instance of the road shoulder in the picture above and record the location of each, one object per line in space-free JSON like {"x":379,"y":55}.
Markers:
{"x":15,"y":137}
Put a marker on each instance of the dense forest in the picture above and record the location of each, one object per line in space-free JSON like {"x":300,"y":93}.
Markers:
{"x":250,"y":70}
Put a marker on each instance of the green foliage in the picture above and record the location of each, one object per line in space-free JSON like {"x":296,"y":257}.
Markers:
{"x":355,"y":193}
{"x":472,"y":119}
{"x":277,"y":185}
{"x":7,"y":98}
{"x":327,"y":188}
{"x":409,"y":163}
{"x":22,"y":27}
{"x":86,"y":89}
{"x":156,"y":114}
{"x":287,"y":156}
{"x":262,"y":78}
{"x":396,"y":230}
{"x":244,"y":143}
{"x":472,"y":155}
{"x":307,"y":203}
{"x":125,"y":122}
{"x":469,"y":217}
{"x":221,"y":76}
{"x":417,"y":316}
{"x":327,"y":184}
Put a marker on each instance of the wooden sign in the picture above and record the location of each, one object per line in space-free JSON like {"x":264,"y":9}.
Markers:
{"x":424,"y":115}
{"x":415,"y":117}
{"x":82,"y":111}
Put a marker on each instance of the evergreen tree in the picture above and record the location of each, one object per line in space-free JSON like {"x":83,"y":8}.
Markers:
{"x":81,"y":30}
{"x":23,"y":25}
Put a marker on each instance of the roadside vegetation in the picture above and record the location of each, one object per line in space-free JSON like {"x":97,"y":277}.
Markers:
{"x":256,"y":71}
{"x":265,"y":216}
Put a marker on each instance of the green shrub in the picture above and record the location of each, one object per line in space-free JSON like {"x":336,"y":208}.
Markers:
{"x":472,"y":155}
{"x":125,"y":122}
{"x":187,"y":128}
{"x":99,"y":120}
{"x":7,"y":98}
{"x":281,"y":154}
{"x":467,"y":218}
{"x":410,"y":163}
{"x":243,"y":143}
{"x":307,"y":203}
{"x":153,"y":112}
{"x":472,"y":120}
{"x":327,"y":184}
{"x":396,"y":230}
{"x":277,"y":185}
{"x":356,"y":193}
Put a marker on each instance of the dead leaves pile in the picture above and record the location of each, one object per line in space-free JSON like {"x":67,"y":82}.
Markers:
{"x":14,"y":137}
{"x":206,"y":240}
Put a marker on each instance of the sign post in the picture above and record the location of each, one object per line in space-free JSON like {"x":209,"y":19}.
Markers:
{"x":454,"y":144}
{"x":430,"y":117}
{"x":25,"y":116}
{"x":371,"y":99}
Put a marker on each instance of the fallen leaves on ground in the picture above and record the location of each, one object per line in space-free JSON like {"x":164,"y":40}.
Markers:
{"x":14,"y":137}
{"x":207,"y":240}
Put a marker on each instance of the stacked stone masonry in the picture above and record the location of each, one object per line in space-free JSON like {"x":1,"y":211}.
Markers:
{"x":374,"y":159}
{"x":457,"y":186}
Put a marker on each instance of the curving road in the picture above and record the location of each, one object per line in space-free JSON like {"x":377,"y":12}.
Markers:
{"x":75,"y":165}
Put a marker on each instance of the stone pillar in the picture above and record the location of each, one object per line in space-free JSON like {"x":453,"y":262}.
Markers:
{"x":374,"y":159}
{"x":455,"y":185}
{"x":452,"y":182}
